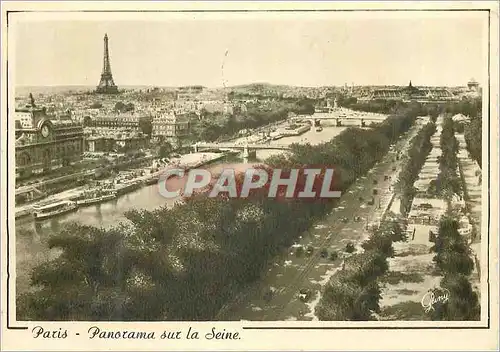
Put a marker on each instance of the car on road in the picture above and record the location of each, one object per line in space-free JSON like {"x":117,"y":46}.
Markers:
{"x":299,"y":251}
{"x":334,"y":255}
{"x":305,"y":294}
{"x":269,"y":294}
{"x":372,"y":226}
{"x":350,"y":248}
{"x":310,"y":250}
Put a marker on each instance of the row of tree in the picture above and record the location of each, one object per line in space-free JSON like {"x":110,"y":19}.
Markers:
{"x":472,"y":108}
{"x":384,"y":106}
{"x":187,"y":261}
{"x":473,"y":133}
{"x":448,"y":181}
{"x":453,"y":260}
{"x":381,"y":106}
{"x":420,"y":147}
{"x":353,"y":293}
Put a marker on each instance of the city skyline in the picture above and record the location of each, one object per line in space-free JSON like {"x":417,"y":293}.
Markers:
{"x":316,"y":51}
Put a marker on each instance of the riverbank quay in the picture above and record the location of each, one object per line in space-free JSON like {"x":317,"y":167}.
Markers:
{"x":41,"y":190}
{"x":187,"y":161}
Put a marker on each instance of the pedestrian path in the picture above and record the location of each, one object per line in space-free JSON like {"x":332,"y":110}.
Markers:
{"x":411,"y":270}
{"x":472,"y":186}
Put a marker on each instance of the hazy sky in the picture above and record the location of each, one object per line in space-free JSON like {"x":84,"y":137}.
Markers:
{"x":308,"y":49}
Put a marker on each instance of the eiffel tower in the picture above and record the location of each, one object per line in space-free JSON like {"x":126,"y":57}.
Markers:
{"x":106,"y":84}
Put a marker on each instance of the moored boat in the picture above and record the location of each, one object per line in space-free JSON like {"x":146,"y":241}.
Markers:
{"x":96,"y":197}
{"x":128,"y":186}
{"x":46,"y":211}
{"x":152,"y":180}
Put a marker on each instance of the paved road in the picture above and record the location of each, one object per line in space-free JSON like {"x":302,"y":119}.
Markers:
{"x":289,"y":273}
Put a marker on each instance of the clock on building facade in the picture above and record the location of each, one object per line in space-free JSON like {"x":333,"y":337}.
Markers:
{"x":45,"y":129}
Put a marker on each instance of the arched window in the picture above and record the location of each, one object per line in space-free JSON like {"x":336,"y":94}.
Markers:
{"x":46,"y":155}
{"x":23,"y":159}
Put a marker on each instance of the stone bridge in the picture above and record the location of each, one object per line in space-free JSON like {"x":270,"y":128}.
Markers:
{"x":246,"y":148}
{"x":342,"y":120}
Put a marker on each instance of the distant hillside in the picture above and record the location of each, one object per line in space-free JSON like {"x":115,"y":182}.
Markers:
{"x":269,"y":86}
{"x":251,"y":87}
{"x":25,"y":90}
{"x":258,"y":85}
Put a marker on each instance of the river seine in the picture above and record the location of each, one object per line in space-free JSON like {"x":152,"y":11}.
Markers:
{"x":31,"y":237}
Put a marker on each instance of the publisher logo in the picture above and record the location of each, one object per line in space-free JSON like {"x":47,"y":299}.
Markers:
{"x":433,"y":297}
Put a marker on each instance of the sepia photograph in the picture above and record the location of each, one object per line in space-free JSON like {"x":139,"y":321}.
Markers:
{"x":328,"y":167}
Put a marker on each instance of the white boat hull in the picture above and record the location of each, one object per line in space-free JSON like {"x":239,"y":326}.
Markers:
{"x":43,"y":216}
